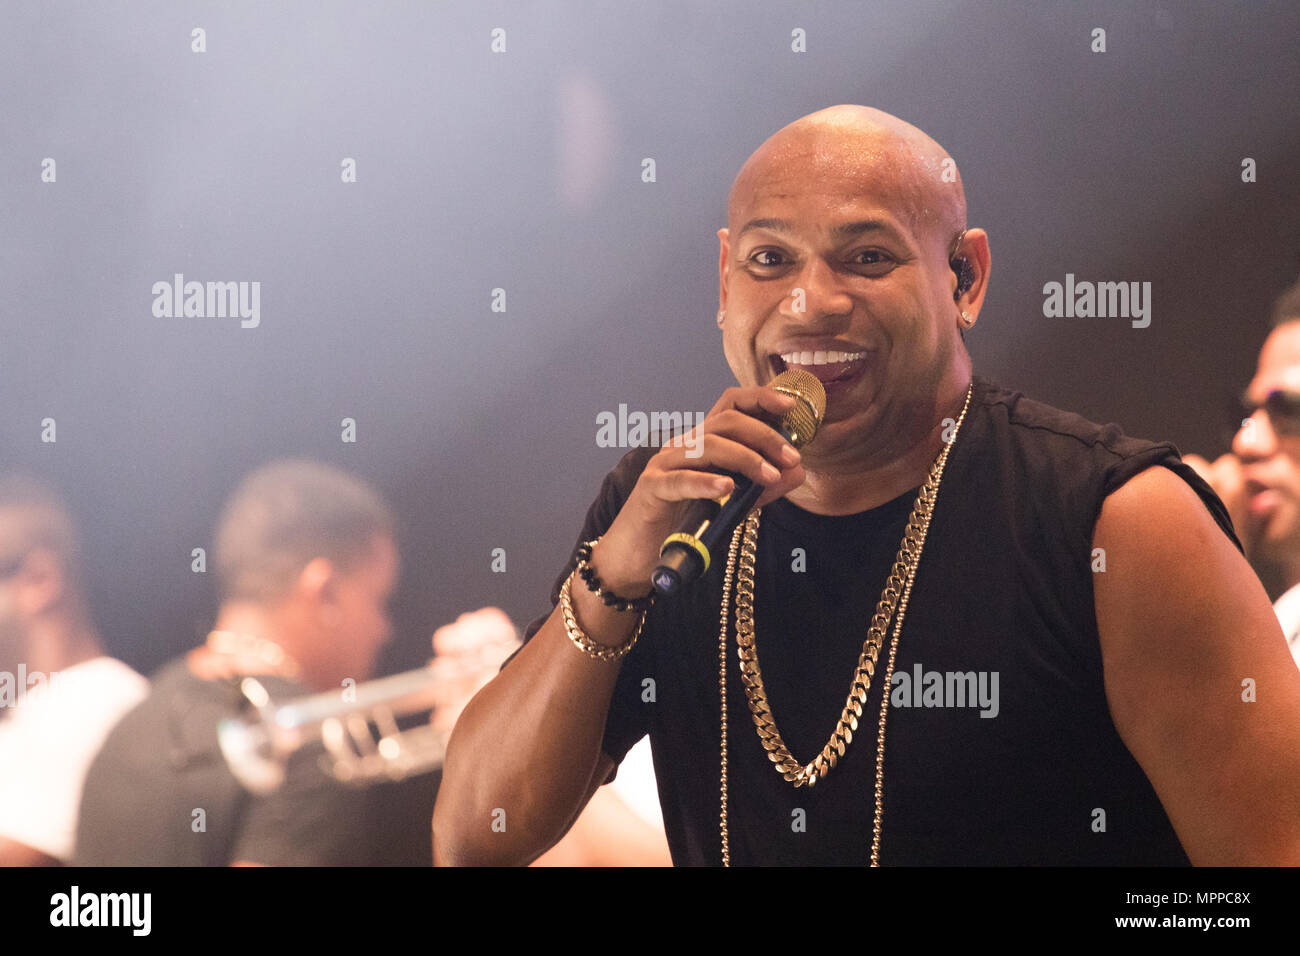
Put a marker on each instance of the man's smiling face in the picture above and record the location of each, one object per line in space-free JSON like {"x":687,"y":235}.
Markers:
{"x":835,"y":260}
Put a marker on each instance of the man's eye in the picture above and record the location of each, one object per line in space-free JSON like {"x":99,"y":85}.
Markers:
{"x":871,"y":257}
{"x":767,"y":257}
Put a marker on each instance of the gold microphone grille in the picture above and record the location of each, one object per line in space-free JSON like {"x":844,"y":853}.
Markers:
{"x":801,"y":422}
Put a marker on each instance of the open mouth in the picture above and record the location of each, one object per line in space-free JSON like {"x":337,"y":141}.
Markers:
{"x":1263,"y":503}
{"x":828,"y":367}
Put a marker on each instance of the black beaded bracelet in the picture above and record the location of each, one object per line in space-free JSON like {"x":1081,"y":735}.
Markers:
{"x":589,"y":577}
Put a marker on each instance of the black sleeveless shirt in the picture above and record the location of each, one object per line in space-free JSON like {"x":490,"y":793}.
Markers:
{"x":999,"y":746}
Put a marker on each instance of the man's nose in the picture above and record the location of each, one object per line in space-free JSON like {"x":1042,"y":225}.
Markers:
{"x":818,"y":291}
{"x":1255,"y":439}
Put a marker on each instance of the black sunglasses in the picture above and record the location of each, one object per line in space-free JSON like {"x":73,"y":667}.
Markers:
{"x":1283,"y":409}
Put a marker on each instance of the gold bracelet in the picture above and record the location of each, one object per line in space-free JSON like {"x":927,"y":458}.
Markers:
{"x":585,"y":644}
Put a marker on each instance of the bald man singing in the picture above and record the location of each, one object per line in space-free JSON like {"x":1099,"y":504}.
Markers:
{"x":985,"y":631}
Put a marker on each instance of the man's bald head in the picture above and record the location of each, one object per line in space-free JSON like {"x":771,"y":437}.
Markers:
{"x":839,"y":242}
{"x":887,"y":156}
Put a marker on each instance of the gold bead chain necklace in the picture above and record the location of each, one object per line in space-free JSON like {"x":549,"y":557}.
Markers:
{"x":897,"y":592}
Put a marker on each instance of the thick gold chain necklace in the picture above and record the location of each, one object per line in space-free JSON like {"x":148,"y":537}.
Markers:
{"x":897,"y":592}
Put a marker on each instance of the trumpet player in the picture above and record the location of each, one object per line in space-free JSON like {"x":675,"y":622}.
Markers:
{"x":306,"y":560}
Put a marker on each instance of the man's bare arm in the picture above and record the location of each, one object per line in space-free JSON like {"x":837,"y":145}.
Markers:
{"x":1186,"y":633}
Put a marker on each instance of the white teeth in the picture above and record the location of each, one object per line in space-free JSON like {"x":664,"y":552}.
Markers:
{"x":820,"y":358}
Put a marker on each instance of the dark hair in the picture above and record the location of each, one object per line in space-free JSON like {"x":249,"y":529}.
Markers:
{"x":288,"y":513}
{"x":1287,"y":307}
{"x":39,"y":519}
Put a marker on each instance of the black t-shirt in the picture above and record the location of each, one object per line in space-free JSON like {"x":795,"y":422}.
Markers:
{"x":162,"y":764}
{"x":999,"y":746}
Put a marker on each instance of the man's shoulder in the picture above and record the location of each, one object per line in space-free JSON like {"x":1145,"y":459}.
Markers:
{"x":1029,"y":420}
{"x":81,"y":704}
{"x":171,"y":681}
{"x":1077,"y":462}
{"x":180,"y":705}
{"x":103,"y":684}
{"x":104,"y":670}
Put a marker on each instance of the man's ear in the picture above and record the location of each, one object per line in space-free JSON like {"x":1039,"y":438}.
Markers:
{"x":724,"y":251}
{"x":317,"y":586}
{"x":975,"y":250}
{"x":316,"y":580}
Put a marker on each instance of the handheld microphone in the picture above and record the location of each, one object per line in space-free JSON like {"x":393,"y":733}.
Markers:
{"x":686,"y":555}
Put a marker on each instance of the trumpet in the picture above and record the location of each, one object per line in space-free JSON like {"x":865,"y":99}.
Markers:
{"x":357,"y":726}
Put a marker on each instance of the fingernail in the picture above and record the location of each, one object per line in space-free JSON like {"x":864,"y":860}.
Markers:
{"x":770,"y":475}
{"x":789,"y":455}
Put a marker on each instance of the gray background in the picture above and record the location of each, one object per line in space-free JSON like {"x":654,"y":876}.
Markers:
{"x":522,"y":170}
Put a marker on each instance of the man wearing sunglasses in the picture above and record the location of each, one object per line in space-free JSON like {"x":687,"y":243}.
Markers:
{"x":1259,"y":480}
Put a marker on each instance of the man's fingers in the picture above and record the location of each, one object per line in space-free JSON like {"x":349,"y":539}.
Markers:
{"x":473,"y":631}
{"x":1226,"y":478}
{"x":1200,"y":466}
{"x":733,"y":441}
{"x":1223,"y":475}
{"x":680,"y":484}
{"x":756,"y":399}
{"x":791,"y":479}
{"x":1227,"y":471}
{"x":717,"y":452}
{"x":755,"y":434}
{"x":730,"y":439}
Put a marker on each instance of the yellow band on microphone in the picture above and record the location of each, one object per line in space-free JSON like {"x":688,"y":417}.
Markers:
{"x":691,"y":542}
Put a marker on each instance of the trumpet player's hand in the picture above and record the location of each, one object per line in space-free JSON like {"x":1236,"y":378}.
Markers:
{"x":469,"y":652}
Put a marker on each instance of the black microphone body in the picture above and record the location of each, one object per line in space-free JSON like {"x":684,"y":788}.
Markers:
{"x":685,"y":556}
